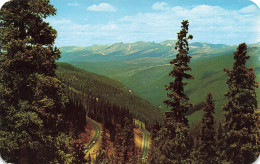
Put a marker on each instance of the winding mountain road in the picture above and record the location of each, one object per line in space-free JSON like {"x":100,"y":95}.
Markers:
{"x":96,"y":136}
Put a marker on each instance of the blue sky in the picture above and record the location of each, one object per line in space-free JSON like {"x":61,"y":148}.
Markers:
{"x":88,"y":22}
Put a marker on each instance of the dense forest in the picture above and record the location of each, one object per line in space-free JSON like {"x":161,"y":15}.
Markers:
{"x":93,"y":89}
{"x":237,"y":138}
{"x":44,"y":105}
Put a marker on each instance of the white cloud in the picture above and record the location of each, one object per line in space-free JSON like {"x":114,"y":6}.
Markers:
{"x":207,"y":24}
{"x":257,"y":2}
{"x":73,"y":4}
{"x":160,"y":6}
{"x":249,"y":9}
{"x":102,"y":7}
{"x":59,"y":22}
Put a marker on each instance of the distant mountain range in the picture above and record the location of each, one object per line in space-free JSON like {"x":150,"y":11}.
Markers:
{"x":126,"y":51}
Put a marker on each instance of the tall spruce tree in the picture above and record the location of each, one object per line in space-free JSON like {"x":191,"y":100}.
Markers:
{"x":124,"y":145}
{"x":177,"y":100}
{"x":128,"y":141}
{"x":207,"y":146}
{"x":31,"y":97}
{"x":180,"y":140}
{"x":240,"y":124}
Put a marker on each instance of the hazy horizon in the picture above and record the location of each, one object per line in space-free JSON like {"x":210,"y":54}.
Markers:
{"x":151,"y":42}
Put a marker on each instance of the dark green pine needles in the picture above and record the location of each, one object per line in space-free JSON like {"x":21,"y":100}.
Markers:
{"x":207,"y":147}
{"x":177,"y":143}
{"x":32,"y":101}
{"x":241,"y":130}
{"x":177,"y":100}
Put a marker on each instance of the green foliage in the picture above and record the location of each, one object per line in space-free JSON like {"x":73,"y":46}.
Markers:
{"x":31,"y":97}
{"x":180,"y":140}
{"x":124,"y":143}
{"x":166,"y":149}
{"x":109,"y":91}
{"x":174,"y":140}
{"x":177,"y":100}
{"x":102,"y":158}
{"x":240,"y":126}
{"x":207,"y":146}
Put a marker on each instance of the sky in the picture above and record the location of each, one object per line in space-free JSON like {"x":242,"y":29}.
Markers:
{"x":89,"y":22}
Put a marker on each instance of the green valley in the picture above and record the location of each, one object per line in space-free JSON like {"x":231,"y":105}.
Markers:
{"x":147,"y":76}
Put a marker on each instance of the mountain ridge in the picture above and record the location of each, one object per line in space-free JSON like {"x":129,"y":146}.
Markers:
{"x":125,"y":51}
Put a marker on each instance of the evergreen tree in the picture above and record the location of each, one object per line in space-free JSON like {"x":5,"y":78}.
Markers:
{"x":207,"y":148}
{"x":118,"y":146}
{"x":177,"y":100}
{"x":240,"y":120}
{"x":104,"y":144}
{"x":78,"y":153}
{"x":128,"y":142}
{"x":180,"y":140}
{"x":102,"y":157}
{"x":158,"y":151}
{"x":124,"y":143}
{"x":31,"y":97}
{"x":220,"y":142}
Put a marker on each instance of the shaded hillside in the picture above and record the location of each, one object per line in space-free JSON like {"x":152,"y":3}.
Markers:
{"x":107,"y":90}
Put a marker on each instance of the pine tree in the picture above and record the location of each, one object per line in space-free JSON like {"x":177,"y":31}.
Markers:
{"x":31,"y":97}
{"x":104,"y":144}
{"x":240,"y":120}
{"x":220,"y":142}
{"x":124,"y":145}
{"x":118,"y":145}
{"x":78,"y":153}
{"x":103,"y":156}
{"x":207,"y":148}
{"x":180,"y":140}
{"x":128,"y":142}
{"x":160,"y":148}
{"x":177,"y":100}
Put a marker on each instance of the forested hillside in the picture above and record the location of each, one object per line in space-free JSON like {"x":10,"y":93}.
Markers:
{"x":106,"y":90}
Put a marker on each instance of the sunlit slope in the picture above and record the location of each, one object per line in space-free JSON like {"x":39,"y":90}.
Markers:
{"x":148,"y":77}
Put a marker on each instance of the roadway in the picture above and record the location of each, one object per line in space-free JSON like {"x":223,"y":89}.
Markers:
{"x":96,"y":136}
{"x":145,"y":144}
